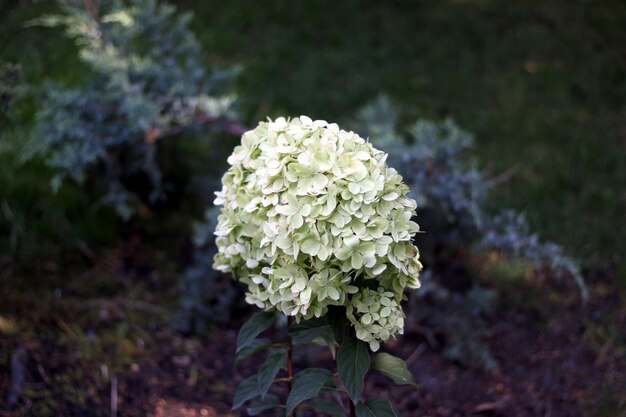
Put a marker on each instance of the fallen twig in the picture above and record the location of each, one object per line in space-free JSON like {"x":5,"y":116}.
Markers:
{"x":42,"y":373}
{"x":18,"y":375}
{"x":113,"y":396}
{"x":117,"y":303}
{"x":66,"y":329}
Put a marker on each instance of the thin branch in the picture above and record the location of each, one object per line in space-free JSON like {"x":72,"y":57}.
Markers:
{"x":416,"y":354}
{"x":63,"y":326}
{"x":93,"y":10}
{"x":86,"y":251}
{"x":234,"y":128}
{"x":503,"y":177}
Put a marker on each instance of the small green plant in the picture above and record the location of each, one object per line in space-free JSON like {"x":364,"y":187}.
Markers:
{"x":318,"y":228}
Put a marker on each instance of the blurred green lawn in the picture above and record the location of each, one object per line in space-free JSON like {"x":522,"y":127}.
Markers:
{"x":542,"y":84}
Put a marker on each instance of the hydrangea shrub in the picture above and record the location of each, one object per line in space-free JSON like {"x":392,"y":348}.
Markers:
{"x":308,"y":210}
{"x":313,"y":219}
{"x":452,"y":197}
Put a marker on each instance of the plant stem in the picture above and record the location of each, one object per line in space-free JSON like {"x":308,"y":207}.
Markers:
{"x":351,"y":333}
{"x":289,"y":358}
{"x":289,"y":352}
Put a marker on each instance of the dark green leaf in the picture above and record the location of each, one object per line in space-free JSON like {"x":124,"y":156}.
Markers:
{"x":257,"y":345}
{"x":353,"y":362}
{"x":259,"y":405}
{"x":309,"y":330}
{"x":329,"y":407}
{"x":306,"y":385}
{"x":306,"y":331}
{"x":394,"y":368}
{"x":253,"y":327}
{"x":268,"y":371}
{"x":247,"y":390}
{"x":376,"y":407}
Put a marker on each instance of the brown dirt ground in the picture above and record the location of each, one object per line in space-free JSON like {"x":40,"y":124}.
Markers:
{"x":557,"y":359}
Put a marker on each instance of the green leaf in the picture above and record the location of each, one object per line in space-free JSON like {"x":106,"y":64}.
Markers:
{"x":353,"y":362}
{"x":309,"y":330}
{"x":393,"y":368}
{"x":258,"y":384}
{"x":253,"y":327}
{"x":257,"y":345}
{"x":376,"y":407}
{"x":328,"y":407}
{"x":259,"y":405}
{"x":247,"y":390}
{"x":305,"y":385}
{"x":268,"y":371}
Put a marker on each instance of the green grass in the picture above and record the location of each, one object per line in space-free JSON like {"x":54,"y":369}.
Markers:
{"x":541,"y":84}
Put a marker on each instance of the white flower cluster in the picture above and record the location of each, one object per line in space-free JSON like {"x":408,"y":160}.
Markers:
{"x":376,"y":315}
{"x":312,"y":217}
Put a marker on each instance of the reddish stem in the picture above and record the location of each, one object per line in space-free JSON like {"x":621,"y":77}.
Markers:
{"x":289,"y":352}
{"x":289,"y":357}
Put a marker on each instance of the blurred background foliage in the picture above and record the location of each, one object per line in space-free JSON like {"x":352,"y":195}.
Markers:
{"x":541,"y":87}
{"x":510,"y":120}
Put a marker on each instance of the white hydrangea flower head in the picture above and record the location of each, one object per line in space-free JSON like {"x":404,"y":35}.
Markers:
{"x":313,"y":217}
